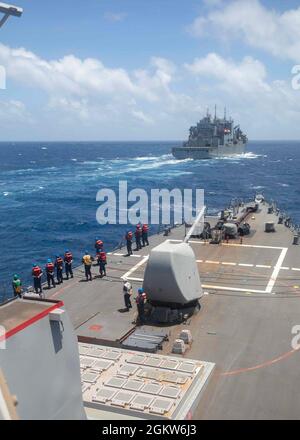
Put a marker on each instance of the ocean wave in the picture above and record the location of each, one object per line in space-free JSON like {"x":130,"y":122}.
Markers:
{"x":248,"y":155}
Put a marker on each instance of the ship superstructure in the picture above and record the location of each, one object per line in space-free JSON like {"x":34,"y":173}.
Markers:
{"x":212,"y":137}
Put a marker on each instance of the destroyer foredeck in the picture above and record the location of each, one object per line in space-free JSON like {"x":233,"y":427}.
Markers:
{"x":251,"y":303}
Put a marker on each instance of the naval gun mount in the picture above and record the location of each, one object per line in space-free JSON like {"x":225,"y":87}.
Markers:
{"x":172,"y":283}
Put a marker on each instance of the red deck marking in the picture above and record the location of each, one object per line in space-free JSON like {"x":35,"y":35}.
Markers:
{"x":63,"y":289}
{"x":31,"y":321}
{"x":265,"y":364}
{"x":95,"y":328}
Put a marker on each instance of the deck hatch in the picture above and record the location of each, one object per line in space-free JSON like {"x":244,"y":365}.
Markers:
{"x":86,"y":362}
{"x":122,"y":398}
{"x":187,"y":367}
{"x":151,"y":388}
{"x":170,"y":391}
{"x":116,"y":382}
{"x":90,"y":377}
{"x":152,"y":362}
{"x":102,"y":364}
{"x":128,"y":370}
{"x":161,"y":406}
{"x":112,"y":355}
{"x":133,"y":385}
{"x":104,"y":395}
{"x":136,"y":359}
{"x":141,"y":402}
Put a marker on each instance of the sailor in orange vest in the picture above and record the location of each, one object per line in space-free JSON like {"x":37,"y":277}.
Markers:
{"x":50,"y":273}
{"x":102,"y":263}
{"x":37,"y":274}
{"x":87,"y":261}
{"x":98,"y":247}
{"x":68,"y":259}
{"x":59,"y":264}
{"x":128,"y":238}
{"x":145,"y":230}
{"x":140,"y":302}
{"x":138,"y":237}
{"x":98,"y":244}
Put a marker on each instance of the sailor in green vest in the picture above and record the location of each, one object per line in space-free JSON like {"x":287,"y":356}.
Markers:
{"x":17,"y":286}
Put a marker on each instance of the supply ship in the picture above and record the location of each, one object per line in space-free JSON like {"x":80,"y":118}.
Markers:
{"x":220,"y":339}
{"x":211,"y":138}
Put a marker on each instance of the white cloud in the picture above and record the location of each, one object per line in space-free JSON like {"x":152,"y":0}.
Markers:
{"x":13,"y":112}
{"x":266,"y":109}
{"x":85,"y":99}
{"x":259,"y":27}
{"x":249,"y":75}
{"x":86,"y":87}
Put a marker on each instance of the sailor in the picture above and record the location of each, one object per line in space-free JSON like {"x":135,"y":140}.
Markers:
{"x":102,"y":263}
{"x":128,"y":238}
{"x":140,"y":302}
{"x":37,"y":274}
{"x":87,"y":261}
{"x":138,"y":237}
{"x":68,"y":259}
{"x":59,"y":264}
{"x":50,"y":273}
{"x":127,"y":291}
{"x":241,"y":233}
{"x":17,"y":286}
{"x":145,"y":230}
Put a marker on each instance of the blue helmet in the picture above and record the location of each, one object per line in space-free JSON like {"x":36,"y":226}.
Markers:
{"x":67,"y":251}
{"x":86,"y":252}
{"x":141,"y":291}
{"x":49,"y":260}
{"x":33,"y":265}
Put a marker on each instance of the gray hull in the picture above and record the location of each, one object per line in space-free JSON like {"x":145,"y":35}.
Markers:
{"x":208,"y":153}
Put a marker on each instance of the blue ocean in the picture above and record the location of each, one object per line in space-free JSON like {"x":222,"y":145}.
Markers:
{"x":48,"y":191}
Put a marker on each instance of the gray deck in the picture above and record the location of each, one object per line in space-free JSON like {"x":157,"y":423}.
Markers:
{"x":252,"y":302}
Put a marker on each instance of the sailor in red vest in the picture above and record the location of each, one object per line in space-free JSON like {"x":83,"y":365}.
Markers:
{"x":59,"y":264}
{"x":50,"y":273}
{"x":37,"y":274}
{"x":68,"y":259}
{"x":98,"y":247}
{"x":138,"y":237}
{"x":102,"y":263}
{"x":145,"y":230}
{"x":140,"y":302}
{"x":128,"y":238}
{"x":98,"y":244}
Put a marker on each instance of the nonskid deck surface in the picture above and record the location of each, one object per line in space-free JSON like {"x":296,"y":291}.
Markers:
{"x":251,"y":304}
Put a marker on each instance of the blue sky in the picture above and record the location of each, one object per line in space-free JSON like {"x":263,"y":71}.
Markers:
{"x":128,"y":69}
